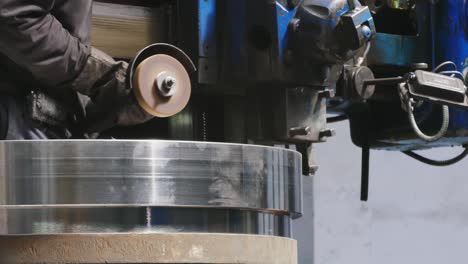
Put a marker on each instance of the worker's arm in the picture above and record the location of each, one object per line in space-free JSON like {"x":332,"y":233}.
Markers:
{"x":34,"y":39}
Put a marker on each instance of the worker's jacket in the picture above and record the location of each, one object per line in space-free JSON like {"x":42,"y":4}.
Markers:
{"x":60,"y":46}
{"x":60,"y":30}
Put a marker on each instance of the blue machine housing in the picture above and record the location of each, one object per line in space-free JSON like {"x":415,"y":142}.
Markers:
{"x":273,"y":41}
{"x":450,"y":24}
{"x":442,"y":35}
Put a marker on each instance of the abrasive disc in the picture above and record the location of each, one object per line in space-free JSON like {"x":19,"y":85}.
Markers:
{"x":148,"y":93}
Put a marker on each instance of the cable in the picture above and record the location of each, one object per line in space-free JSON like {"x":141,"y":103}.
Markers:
{"x":445,"y":109}
{"x":442,"y":131}
{"x":439,"y":163}
{"x":453,"y":73}
{"x":361,"y":59}
{"x":443,"y":64}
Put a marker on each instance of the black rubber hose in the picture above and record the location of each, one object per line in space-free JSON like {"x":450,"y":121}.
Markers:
{"x":438,"y":163}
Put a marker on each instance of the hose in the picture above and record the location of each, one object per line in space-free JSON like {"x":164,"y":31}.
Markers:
{"x":453,"y":74}
{"x":361,"y":59}
{"x":445,"y":109}
{"x":443,"y":129}
{"x":443,"y":64}
{"x":438,"y":163}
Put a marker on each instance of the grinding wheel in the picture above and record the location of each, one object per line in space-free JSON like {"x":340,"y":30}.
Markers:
{"x":162,"y":85}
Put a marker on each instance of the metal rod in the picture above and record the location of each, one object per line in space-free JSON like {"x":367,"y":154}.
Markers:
{"x":385,"y":81}
{"x":365,"y":173}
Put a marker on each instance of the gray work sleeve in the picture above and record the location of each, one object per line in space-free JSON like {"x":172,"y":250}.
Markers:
{"x":35,"y":40}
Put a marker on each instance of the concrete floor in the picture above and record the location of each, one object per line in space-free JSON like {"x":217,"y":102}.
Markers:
{"x":416,"y":213}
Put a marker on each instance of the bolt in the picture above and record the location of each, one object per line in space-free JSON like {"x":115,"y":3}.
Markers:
{"x":366,"y":32}
{"x":411,"y":77}
{"x":295,"y":25}
{"x":166,"y":84}
{"x":169,"y":82}
{"x":328,"y":93}
{"x":327,"y":133}
{"x":299,"y":131}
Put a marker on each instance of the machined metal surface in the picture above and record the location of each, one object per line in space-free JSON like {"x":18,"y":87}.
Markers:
{"x":48,"y":221}
{"x":87,"y":174}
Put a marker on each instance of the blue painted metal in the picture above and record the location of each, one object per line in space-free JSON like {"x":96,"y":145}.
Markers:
{"x":284,"y":16}
{"x":207,"y":27}
{"x":403,"y":50}
{"x":236,"y":20}
{"x":451,"y":44}
{"x":342,"y":11}
{"x":397,"y":50}
{"x":207,"y":46}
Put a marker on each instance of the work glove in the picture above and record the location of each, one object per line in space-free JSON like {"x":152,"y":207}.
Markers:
{"x":104,"y":95}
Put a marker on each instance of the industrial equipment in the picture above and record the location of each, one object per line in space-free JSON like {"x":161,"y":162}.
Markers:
{"x":58,"y":191}
{"x":261,"y":78}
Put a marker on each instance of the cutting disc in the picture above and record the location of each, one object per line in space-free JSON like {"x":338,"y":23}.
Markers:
{"x":146,"y":88}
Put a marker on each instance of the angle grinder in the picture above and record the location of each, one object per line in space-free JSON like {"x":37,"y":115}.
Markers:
{"x":161,"y":77}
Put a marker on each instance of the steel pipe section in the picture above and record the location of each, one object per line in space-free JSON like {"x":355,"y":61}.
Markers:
{"x":50,"y":187}
{"x":48,"y":221}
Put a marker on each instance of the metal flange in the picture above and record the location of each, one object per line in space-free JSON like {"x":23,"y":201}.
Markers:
{"x":40,"y":175}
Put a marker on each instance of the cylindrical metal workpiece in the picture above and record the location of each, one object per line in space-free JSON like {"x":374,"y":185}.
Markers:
{"x":76,"y":186}
{"x":147,"y":202}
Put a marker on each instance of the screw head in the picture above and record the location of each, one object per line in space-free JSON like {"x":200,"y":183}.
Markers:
{"x":366,"y":32}
{"x":295,"y":25}
{"x":299,"y":131}
{"x":170,"y":82}
{"x":327,"y":133}
{"x":166,"y":84}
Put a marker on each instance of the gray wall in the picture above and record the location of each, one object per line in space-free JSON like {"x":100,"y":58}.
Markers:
{"x":416,"y":213}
